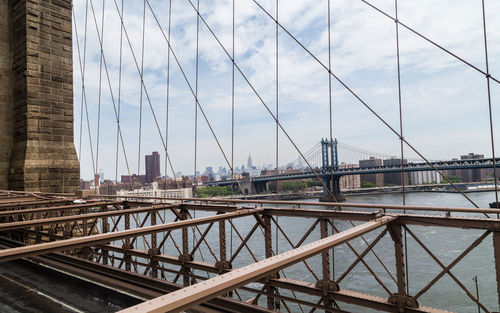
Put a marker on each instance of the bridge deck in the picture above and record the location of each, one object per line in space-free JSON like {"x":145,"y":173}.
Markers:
{"x":128,"y":238}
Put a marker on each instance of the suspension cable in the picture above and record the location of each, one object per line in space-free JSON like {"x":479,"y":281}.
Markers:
{"x":119,"y":98}
{"x":196,"y":96}
{"x":142,"y":83}
{"x":99,"y":97}
{"x":403,"y":182}
{"x":277,"y":101}
{"x":489,"y":105}
{"x":330,"y":106}
{"x":84,"y":97}
{"x":168,"y":88}
{"x":144,"y":86}
{"x":258,"y":96}
{"x":189,"y":86}
{"x":111,"y":91}
{"x":367,"y":106}
{"x":232,"y":110}
{"x":430,"y":41}
{"x":330,"y":95}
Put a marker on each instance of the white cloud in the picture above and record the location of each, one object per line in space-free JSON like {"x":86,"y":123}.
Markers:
{"x":443,"y":99}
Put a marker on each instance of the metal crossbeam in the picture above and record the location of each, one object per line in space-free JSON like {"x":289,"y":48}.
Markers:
{"x":198,"y":293}
{"x":61,"y":245}
{"x":54,"y":220}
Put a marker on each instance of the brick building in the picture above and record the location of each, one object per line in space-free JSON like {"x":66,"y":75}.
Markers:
{"x":377,"y":179}
{"x":152,"y":167}
{"x":395,"y":178}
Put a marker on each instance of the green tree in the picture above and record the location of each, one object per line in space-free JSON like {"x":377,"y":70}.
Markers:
{"x":453,"y":178}
{"x":208,"y":191}
{"x":368,"y":184}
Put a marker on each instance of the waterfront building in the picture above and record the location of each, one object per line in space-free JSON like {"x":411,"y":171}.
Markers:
{"x":470,"y":175}
{"x":425,"y":177}
{"x":349,"y":181}
{"x":394,"y":178}
{"x":377,"y":179}
{"x":154,"y":191}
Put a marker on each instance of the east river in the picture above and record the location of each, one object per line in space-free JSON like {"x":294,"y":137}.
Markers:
{"x":445,"y":243}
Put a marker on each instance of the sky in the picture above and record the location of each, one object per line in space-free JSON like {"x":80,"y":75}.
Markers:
{"x":444,"y":101}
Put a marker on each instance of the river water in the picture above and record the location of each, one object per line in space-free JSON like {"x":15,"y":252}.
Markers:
{"x":445,"y":243}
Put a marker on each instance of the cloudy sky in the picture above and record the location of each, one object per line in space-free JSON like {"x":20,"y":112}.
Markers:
{"x":444,"y":101}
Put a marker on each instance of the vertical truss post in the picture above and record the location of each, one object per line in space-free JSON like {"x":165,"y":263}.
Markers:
{"x":272,"y":303}
{"x":127,"y":245}
{"x":38,"y":234}
{"x":185,"y":250}
{"x":326,"y":283}
{"x":105,"y":229}
{"x":401,"y":298}
{"x":153,"y":251}
{"x":222,"y":265}
{"x":496,"y":251}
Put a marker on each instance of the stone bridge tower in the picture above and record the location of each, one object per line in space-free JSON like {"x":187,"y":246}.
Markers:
{"x":37,"y":152}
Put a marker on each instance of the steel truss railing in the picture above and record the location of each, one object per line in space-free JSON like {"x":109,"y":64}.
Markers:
{"x":138,"y":238}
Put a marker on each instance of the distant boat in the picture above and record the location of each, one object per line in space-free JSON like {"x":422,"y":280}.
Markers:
{"x":495,"y":205}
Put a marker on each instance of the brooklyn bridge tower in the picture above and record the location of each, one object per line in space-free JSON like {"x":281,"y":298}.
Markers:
{"x":37,"y":152}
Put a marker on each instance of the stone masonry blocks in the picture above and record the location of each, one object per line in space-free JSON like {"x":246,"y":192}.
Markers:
{"x":38,"y":136}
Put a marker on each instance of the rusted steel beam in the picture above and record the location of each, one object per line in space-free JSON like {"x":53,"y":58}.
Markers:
{"x":496,"y":253}
{"x":321,"y":204}
{"x":199,"y":293}
{"x":39,"y":249}
{"x":443,"y":221}
{"x":133,"y":283}
{"x":321,"y":213}
{"x":54,"y":220}
{"x":222,"y":208}
{"x":57,"y":208}
{"x":348,"y":296}
{"x":173,"y":260}
{"x":35,"y":203}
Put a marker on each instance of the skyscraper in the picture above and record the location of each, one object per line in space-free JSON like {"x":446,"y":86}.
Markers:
{"x":152,"y":167}
{"x":249,"y":163}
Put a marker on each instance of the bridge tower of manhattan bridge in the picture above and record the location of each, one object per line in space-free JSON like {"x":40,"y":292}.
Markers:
{"x":37,"y":151}
{"x":330,"y":163}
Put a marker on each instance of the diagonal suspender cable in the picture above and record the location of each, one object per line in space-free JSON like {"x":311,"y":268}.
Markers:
{"x":111,"y":92}
{"x":168,"y":87}
{"x":99,"y":97}
{"x":189,"y":86}
{"x":84,"y":97}
{"x":430,"y":41}
{"x":119,"y":98}
{"x":258,"y":96}
{"x":489,"y":104}
{"x":142,"y":83}
{"x":81,"y":106}
{"x":144,"y":87}
{"x":369,"y":108}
